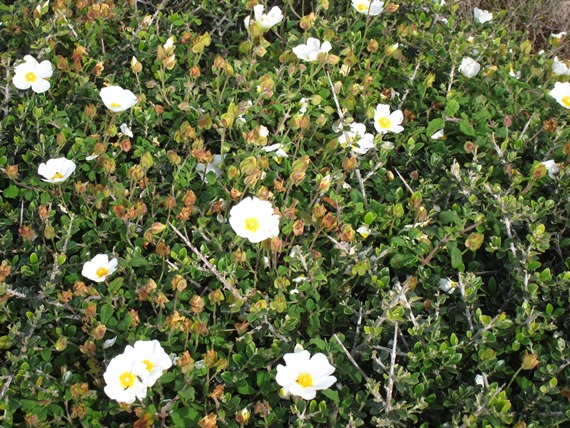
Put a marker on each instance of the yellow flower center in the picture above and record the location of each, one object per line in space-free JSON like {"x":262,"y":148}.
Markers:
{"x":115,"y":105}
{"x":362,"y":6}
{"x":566,"y":101}
{"x":305,"y":380}
{"x":101,"y":272}
{"x":384,"y":122}
{"x":149,"y":365}
{"x":251,"y":224}
{"x":127,"y":380}
{"x":31,"y":77}
{"x":57,"y":175}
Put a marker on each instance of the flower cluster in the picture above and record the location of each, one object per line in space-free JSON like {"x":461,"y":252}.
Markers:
{"x":130,"y":374}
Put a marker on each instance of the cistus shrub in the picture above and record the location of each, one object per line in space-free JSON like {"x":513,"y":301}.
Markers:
{"x":333,"y":213}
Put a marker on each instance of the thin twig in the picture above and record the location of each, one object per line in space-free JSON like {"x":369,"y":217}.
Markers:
{"x":390,"y":386}
{"x":467,"y":311}
{"x":358,"y":323}
{"x":354,"y":363}
{"x":55,"y":269}
{"x":274,"y":331}
{"x":404,"y":181}
{"x":361,"y":185}
{"x":407,"y":91}
{"x":451,"y":74}
{"x":209,"y":265}
{"x":481,"y":408}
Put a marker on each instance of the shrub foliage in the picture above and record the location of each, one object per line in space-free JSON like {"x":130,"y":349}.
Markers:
{"x":433,"y":273}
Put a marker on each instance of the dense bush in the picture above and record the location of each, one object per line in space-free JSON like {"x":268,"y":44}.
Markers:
{"x":430,"y":270}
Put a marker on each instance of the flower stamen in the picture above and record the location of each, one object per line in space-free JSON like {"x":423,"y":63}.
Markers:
{"x":149,"y":365}
{"x":127,"y":380}
{"x":252,"y":224}
{"x":305,"y":380}
{"x":101,"y":272}
{"x":31,"y":77}
{"x":384,"y":122}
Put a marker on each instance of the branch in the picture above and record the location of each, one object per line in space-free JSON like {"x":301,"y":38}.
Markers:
{"x":350,"y":358}
{"x":209,"y":265}
{"x":390,"y":386}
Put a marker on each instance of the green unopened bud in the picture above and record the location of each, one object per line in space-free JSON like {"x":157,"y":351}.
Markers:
{"x":146,"y":161}
{"x":61,"y":344}
{"x":248,"y":165}
{"x":530,"y":361}
{"x":136,"y":66}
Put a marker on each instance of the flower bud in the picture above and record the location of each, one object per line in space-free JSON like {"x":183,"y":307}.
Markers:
{"x":242,"y":417}
{"x":136,"y":66}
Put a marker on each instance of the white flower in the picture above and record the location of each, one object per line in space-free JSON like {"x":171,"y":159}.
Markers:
{"x":266,"y":21}
{"x":357,"y":139}
{"x":438,"y":135}
{"x":254,"y":219}
{"x":479,"y":380}
{"x":558,"y":35}
{"x":447,"y":285}
{"x":109,"y":342}
{"x":482,"y":16}
{"x":203,"y":170}
{"x":513,"y":73}
{"x":312,"y":49}
{"x":126,"y":130}
{"x":169,"y":44}
{"x":276,"y":149}
{"x":263,"y":131}
{"x":123,"y":379}
{"x":384,"y":121}
{"x":560,"y":67}
{"x":304,"y":104}
{"x":469,"y":67}
{"x":32,"y":74}
{"x":561,"y":93}
{"x":387,"y":145}
{"x":304,"y":375}
{"x":56,"y":170}
{"x":551,"y":167}
{"x":364,"y":231}
{"x":117,"y":99}
{"x":368,"y":7}
{"x":153,"y":358}
{"x":99,"y":268}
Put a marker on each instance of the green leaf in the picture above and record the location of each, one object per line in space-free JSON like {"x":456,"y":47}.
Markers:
{"x":451,"y":108}
{"x":138,"y":261}
{"x":11,"y":191}
{"x":434,"y":126}
{"x":106,"y":313}
{"x":453,"y":339}
{"x":466,"y":127}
